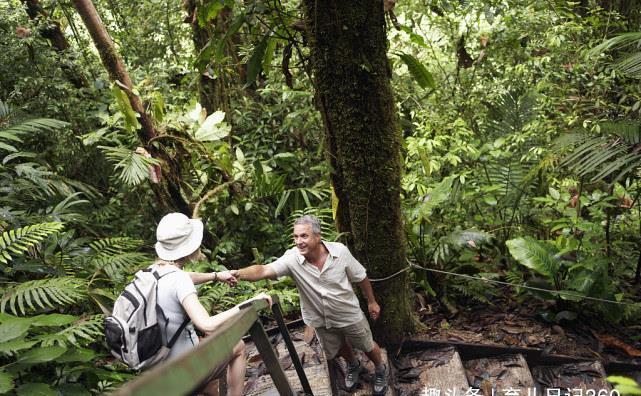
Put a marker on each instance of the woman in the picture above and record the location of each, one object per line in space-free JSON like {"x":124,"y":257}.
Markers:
{"x":178,"y":243}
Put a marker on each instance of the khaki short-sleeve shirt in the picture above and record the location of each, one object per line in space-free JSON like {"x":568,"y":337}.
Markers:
{"x":326,"y":297}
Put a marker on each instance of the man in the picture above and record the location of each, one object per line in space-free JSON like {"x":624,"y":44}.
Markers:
{"x":323,"y":272}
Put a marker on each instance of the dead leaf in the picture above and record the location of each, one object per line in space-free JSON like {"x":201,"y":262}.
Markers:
{"x":486,"y":387}
{"x":23,"y":32}
{"x":388,"y":5}
{"x":614,"y":342}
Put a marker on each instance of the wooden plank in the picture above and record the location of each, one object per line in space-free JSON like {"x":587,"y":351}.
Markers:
{"x":271,"y":360}
{"x":313,"y":361}
{"x":181,"y":375}
{"x":440,"y":369}
{"x":468,"y":351}
{"x":291,"y":349}
{"x":500,"y":375}
{"x":575,"y":377}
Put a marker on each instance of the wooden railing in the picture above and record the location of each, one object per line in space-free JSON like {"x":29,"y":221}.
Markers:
{"x":182,"y":375}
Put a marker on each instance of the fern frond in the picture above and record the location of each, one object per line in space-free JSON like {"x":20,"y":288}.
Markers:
{"x":17,"y":242}
{"x":43,"y":294}
{"x":80,"y":333}
{"x":115,"y":245}
{"x":115,"y":265}
{"x":134,"y":167}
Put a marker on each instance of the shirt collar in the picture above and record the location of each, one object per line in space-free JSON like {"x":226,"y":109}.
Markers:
{"x":333,"y":251}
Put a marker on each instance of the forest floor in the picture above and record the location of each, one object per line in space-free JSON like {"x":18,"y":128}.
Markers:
{"x":522,"y":325}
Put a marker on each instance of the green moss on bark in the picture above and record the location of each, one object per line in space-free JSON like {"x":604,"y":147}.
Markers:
{"x":351,"y":76}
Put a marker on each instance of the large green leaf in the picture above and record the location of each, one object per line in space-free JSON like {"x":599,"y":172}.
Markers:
{"x":14,"y":328}
{"x":13,"y":346}
{"x":213,"y":128}
{"x":35,"y":389}
{"x":53,"y":320}
{"x":230,"y":31}
{"x":255,"y":64}
{"x":536,"y":255}
{"x":41,"y":355}
{"x":420,"y":73}
{"x":6,"y":382}
{"x":73,"y":390}
{"x":130,"y":116}
{"x":77,"y":355}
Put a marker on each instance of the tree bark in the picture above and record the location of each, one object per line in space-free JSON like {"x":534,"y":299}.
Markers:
{"x":117,"y":72}
{"x":352,"y":82}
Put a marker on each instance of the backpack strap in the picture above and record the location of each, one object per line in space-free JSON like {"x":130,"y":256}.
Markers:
{"x":162,"y":313}
{"x":180,"y":330}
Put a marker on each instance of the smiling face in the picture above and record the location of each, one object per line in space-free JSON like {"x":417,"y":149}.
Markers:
{"x":306,"y":241}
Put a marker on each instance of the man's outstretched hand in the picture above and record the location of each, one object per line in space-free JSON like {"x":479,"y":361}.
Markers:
{"x":374,"y":310}
{"x":227,"y":277}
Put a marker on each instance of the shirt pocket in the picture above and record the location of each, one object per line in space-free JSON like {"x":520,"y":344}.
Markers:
{"x":335,"y":275}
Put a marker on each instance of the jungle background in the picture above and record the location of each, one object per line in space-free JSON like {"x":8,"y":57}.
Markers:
{"x":494,"y":139}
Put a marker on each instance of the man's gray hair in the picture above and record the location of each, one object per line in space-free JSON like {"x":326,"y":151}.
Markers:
{"x":312,"y":221}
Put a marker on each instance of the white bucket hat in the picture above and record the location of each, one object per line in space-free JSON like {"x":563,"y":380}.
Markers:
{"x":178,"y":236}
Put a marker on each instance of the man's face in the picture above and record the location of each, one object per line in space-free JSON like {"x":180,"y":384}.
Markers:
{"x":305,"y":239}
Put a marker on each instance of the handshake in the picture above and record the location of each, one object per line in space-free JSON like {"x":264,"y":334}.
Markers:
{"x":230,"y":277}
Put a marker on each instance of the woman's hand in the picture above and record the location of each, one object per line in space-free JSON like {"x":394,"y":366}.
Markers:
{"x":262,"y":296}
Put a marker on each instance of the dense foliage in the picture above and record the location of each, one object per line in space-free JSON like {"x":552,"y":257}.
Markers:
{"x":521,"y":164}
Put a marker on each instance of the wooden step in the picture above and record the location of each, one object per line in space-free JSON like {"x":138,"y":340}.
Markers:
{"x":575,"y":378}
{"x":437,"y":370}
{"x":500,"y":375}
{"x":311,"y":356}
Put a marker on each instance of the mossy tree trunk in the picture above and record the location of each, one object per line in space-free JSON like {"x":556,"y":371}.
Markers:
{"x":352,"y":80}
{"x":50,"y":30}
{"x":211,"y":84}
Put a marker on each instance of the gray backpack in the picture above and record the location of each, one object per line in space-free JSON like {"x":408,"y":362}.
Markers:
{"x":137,"y":328}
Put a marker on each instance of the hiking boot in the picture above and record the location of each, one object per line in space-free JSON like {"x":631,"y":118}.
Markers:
{"x":380,"y":381}
{"x":353,"y":374}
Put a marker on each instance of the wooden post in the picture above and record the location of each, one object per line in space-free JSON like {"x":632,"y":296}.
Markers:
{"x":265,"y":349}
{"x":278,"y":315}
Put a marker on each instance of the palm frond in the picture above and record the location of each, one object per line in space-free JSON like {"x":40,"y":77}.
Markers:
{"x":43,"y":294}
{"x":134,"y":167}
{"x":510,"y":113}
{"x":611,"y":156}
{"x":5,"y":111}
{"x":35,"y":126}
{"x":622,"y":41}
{"x":629,"y":65}
{"x":17,"y":242}
{"x":536,"y":255}
{"x":80,"y":333}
